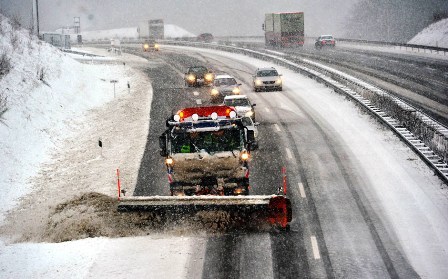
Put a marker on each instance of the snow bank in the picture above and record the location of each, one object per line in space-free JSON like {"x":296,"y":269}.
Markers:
{"x":47,"y":95}
{"x":435,"y":35}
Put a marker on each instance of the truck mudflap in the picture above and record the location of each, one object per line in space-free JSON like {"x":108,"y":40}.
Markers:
{"x":272,"y":209}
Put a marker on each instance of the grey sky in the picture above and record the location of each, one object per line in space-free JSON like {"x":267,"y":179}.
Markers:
{"x":230,"y":17}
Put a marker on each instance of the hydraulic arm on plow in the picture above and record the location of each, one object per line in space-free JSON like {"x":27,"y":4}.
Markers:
{"x":207,"y":154}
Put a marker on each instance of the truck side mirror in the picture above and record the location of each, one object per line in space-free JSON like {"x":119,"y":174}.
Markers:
{"x":250,"y":136}
{"x":162,"y":145}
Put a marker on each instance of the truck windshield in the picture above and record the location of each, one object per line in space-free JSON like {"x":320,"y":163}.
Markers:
{"x":211,"y":142}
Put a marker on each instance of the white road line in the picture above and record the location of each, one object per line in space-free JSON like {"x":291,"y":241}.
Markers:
{"x":196,"y":93}
{"x":277,"y":128}
{"x":267,"y":110}
{"x":315,"y":248}
{"x":302,"y":190}
{"x":199,"y":102}
{"x":288,"y":152}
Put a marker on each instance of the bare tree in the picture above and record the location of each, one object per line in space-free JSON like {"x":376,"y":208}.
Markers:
{"x":5,"y":64}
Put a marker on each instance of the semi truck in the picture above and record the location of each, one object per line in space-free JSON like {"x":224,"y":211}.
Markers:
{"x":284,"y":29}
{"x":151,"y":29}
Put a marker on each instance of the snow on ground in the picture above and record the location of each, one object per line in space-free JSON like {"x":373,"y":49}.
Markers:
{"x":435,"y":35}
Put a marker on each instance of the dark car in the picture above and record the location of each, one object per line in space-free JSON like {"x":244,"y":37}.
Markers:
{"x":224,"y":85}
{"x":325,"y":40}
{"x":150,"y":45}
{"x":198,"y":75}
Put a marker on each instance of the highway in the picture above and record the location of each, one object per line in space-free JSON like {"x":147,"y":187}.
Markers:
{"x":341,"y":226}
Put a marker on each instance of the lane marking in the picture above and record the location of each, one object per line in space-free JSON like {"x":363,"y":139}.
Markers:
{"x":315,"y":247}
{"x":288,"y":152}
{"x":302,"y":190}
{"x":196,"y":93}
{"x":267,"y":110}
{"x":277,"y":128}
{"x":199,"y":102}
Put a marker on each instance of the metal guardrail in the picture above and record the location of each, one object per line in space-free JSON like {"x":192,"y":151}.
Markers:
{"x":401,"y":45}
{"x":250,"y":39}
{"x":379,"y":43}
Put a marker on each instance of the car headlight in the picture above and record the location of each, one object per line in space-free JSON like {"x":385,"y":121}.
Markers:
{"x":146,"y":46}
{"x":215,"y":91}
{"x":236,"y":90}
{"x":191,"y":77}
{"x":278,"y":81}
{"x":208,"y":77}
{"x":249,"y":113}
{"x":156,"y":46}
{"x":258,"y":82}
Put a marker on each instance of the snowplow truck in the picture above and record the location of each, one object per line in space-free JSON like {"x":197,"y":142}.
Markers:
{"x":207,"y":154}
{"x":207,"y":151}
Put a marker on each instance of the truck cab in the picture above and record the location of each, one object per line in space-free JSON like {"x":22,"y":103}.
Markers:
{"x":207,"y":151}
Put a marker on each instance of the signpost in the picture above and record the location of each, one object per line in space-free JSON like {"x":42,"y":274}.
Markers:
{"x":114,"y":81}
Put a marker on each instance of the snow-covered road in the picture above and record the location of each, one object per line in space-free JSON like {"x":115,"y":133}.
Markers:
{"x":395,"y":186}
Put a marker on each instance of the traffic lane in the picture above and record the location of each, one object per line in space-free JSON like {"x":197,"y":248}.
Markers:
{"x":373,"y":249}
{"x":222,"y":253}
{"x":169,"y":95}
{"x":427,"y":77}
{"x":290,"y":251}
{"x":356,"y":238}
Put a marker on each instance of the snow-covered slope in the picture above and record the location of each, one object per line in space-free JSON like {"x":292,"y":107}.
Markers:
{"x":47,"y":92}
{"x":435,"y":34}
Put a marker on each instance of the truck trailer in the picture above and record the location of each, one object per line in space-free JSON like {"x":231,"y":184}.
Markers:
{"x":284,"y":29}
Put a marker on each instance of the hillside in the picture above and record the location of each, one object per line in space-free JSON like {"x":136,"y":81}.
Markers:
{"x":435,"y":34}
{"x":44,"y":95}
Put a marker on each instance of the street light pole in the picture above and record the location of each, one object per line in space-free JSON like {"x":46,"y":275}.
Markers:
{"x":36,"y":22}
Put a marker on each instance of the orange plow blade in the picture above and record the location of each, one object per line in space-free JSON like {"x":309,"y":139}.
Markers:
{"x":273,"y":209}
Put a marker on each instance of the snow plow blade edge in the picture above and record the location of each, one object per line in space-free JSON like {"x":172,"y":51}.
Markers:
{"x":274,"y":209}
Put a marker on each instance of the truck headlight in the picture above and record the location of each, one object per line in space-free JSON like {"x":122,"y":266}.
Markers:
{"x":244,"y":156}
{"x":191,"y":77}
{"x":169,"y":161}
{"x":258,"y":82}
{"x":215,"y":91}
{"x":208,"y":77}
{"x":145,"y":46}
{"x":236,"y":90}
{"x":249,"y":113}
{"x":156,"y":46}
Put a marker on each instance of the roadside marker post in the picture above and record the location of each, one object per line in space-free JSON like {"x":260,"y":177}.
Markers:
{"x":118,"y":184}
{"x":114,"y":81}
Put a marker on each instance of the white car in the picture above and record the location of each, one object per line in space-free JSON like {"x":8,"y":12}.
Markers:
{"x":242,"y":105}
{"x":251,"y":126}
{"x":224,"y":85}
{"x":267,"y":78}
